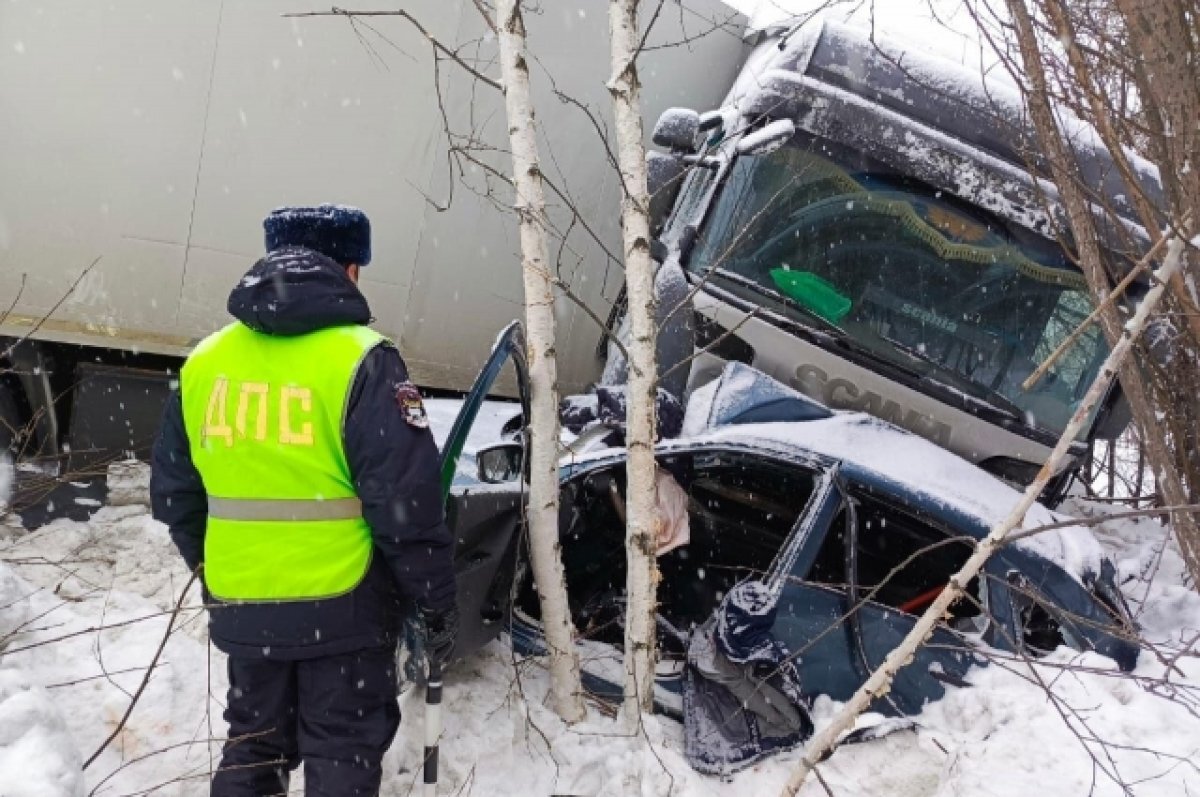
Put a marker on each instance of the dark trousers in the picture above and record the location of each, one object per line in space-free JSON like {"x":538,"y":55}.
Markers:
{"x":337,"y":714}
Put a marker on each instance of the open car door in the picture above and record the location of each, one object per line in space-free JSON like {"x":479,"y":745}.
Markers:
{"x":484,"y":518}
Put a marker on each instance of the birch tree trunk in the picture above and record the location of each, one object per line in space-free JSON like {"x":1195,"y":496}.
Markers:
{"x":881,"y":680}
{"x":642,"y":582}
{"x":542,"y":513}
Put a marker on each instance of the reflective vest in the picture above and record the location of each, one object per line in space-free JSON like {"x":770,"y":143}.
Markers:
{"x":264,"y":417}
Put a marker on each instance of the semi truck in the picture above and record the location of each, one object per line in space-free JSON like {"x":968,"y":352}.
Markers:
{"x":862,"y":221}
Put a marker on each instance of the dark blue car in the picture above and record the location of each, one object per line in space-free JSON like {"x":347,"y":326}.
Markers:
{"x":816,"y":539}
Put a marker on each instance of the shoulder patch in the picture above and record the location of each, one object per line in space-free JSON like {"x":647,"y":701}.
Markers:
{"x":408,"y":399}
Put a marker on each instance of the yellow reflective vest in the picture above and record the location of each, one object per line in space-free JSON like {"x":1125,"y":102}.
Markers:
{"x":264,"y":417}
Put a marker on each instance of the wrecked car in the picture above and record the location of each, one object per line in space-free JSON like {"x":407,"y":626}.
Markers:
{"x":816,"y":539}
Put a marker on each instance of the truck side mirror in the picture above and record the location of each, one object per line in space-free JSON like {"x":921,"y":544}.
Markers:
{"x":712,"y":120}
{"x":676,"y":129}
{"x":768,"y":138}
{"x":500,"y":463}
{"x":659,"y":251}
{"x":1114,"y":416}
{"x":664,"y":176}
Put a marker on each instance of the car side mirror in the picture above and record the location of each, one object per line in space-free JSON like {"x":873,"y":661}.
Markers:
{"x":767,"y":139}
{"x":676,"y":129}
{"x":500,"y":463}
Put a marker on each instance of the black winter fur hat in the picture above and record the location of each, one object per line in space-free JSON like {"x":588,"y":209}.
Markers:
{"x":339,"y":232}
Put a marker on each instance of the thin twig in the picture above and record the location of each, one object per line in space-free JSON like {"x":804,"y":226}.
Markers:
{"x":451,"y":54}
{"x":149,"y":672}
{"x":52,"y":310}
{"x":1099,"y":520}
{"x":712,"y":346}
{"x":17,"y":298}
{"x":487,"y":18}
{"x":106,"y":675}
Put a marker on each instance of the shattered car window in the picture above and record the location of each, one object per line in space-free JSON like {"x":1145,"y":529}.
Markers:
{"x":1048,"y":608}
{"x":899,"y":560}
{"x":741,"y":510}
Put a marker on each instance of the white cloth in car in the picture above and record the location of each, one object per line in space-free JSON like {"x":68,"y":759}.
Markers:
{"x":671,"y":528}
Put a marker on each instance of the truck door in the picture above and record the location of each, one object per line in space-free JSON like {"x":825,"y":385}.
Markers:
{"x":484,"y":518}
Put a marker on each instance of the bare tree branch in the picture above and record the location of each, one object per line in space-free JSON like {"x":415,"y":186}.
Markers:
{"x":120,"y":726}
{"x":41,"y":321}
{"x":446,"y":51}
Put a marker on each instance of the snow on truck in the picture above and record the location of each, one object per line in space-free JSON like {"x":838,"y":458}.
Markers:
{"x":873,"y":227}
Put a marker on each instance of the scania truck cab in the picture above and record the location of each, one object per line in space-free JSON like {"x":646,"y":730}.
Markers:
{"x":865,"y":225}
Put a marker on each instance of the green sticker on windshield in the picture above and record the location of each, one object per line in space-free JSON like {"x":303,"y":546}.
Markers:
{"x":812,"y":292}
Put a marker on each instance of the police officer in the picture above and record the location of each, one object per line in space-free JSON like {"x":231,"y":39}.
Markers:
{"x":296,"y":472}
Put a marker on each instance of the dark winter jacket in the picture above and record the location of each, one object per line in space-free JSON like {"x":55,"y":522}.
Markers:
{"x":394,"y":465}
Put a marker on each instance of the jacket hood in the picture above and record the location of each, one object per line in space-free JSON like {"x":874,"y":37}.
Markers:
{"x":293,"y":291}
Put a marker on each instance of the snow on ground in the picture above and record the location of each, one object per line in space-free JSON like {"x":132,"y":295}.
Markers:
{"x":119,"y":572}
{"x":62,"y":695}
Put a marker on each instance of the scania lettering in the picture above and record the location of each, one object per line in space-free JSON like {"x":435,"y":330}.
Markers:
{"x":843,"y":394}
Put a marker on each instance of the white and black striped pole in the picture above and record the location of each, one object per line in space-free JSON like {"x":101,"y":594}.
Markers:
{"x":433,"y":726}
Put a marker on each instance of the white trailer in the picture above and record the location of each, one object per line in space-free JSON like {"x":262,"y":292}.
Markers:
{"x":154,"y":135}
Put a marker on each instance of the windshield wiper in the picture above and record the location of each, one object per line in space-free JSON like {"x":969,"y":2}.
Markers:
{"x":825,"y":327}
{"x":762,"y":290}
{"x":994,"y":399}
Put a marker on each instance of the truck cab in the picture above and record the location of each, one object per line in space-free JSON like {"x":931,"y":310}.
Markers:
{"x":869,"y":226}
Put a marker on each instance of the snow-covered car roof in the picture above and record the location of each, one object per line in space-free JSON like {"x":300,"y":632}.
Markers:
{"x":736,"y":407}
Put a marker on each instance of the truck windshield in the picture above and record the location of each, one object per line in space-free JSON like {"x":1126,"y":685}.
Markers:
{"x":904,"y":275}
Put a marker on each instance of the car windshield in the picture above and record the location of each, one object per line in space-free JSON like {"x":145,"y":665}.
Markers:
{"x":905,"y":275}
